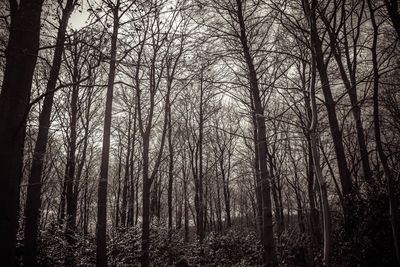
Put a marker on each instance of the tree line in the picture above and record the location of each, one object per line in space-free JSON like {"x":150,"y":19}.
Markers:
{"x":281,"y":116}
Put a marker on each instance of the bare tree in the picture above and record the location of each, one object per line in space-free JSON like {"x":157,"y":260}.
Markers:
{"x":101,"y":252}
{"x":33,"y":200}
{"x":21,"y":55}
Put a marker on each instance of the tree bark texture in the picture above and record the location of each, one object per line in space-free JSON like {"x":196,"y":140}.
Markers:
{"x":21,"y":55}
{"x":33,"y":199}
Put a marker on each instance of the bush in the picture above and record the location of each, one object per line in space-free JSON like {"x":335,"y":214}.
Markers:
{"x":236,"y":247}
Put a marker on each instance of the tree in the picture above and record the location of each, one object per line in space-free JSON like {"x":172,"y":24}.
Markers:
{"x":393,"y":208}
{"x":33,"y":200}
{"x":317,"y":167}
{"x":392,"y":7}
{"x":101,"y":248}
{"x":154,"y":46}
{"x":21,"y":56}
{"x":321,"y":64}
{"x":269,"y":256}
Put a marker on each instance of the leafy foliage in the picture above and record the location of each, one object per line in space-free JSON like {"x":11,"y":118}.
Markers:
{"x":235,"y":247}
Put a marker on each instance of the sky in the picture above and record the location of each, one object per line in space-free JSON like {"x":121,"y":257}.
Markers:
{"x":78,"y":18}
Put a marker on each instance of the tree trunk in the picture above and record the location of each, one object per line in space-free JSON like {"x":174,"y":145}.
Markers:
{"x":126,"y":175}
{"x":61,"y":214}
{"x":21,"y":55}
{"x":226,"y":192}
{"x":393,"y":209}
{"x":170,"y":173}
{"x":117,"y":204}
{"x":133,"y":186}
{"x":200,"y":222}
{"x":351,"y":88}
{"x":269,"y":254}
{"x":70,"y":174}
{"x":101,"y":246}
{"x":392,"y":7}
{"x":326,"y":217}
{"x":277,"y":197}
{"x":330,"y":104}
{"x":145,"y":261}
{"x":185,"y":199}
{"x":259,"y":218}
{"x":33,"y":199}
{"x":314,"y":216}
{"x":218,"y":202}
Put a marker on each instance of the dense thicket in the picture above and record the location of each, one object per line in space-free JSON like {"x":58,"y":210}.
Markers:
{"x":199,"y":132}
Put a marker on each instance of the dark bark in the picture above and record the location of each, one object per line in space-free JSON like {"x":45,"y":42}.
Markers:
{"x":350,"y":84}
{"x":345,"y":178}
{"x":185,"y":198}
{"x":61,"y":209}
{"x":392,"y":7}
{"x":117,"y":205}
{"x":170,"y":172}
{"x":126,"y":174}
{"x":277,"y":197}
{"x":145,"y":261}
{"x":21,"y":55}
{"x":145,"y":131}
{"x":200,"y":222}
{"x":257,"y":181}
{"x":101,"y":246}
{"x":269,"y":254}
{"x":33,"y":200}
{"x":390,"y":183}
{"x":71,"y":164}
{"x":314,"y":215}
{"x":133,"y":185}
{"x":225,"y":147}
{"x":312,"y":132}
{"x":83,"y":159}
{"x":218,"y":202}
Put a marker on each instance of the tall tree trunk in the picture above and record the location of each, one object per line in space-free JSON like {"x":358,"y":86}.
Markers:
{"x":218,"y":202}
{"x":178,"y":207}
{"x":145,"y":261}
{"x":185,"y":199}
{"x":21,"y":55}
{"x":330,"y":104}
{"x":351,"y":85}
{"x":393,"y":208}
{"x":148,"y":178}
{"x":200,"y":222}
{"x":277,"y":197}
{"x":205,"y":206}
{"x":117,"y":204}
{"x":170,"y":173}
{"x":33,"y":199}
{"x":392,"y":7}
{"x":324,"y":201}
{"x":314,"y":216}
{"x":101,"y":246}
{"x":257,"y":180}
{"x":61,"y":215}
{"x":70,"y":174}
{"x":269,"y":254}
{"x":326,"y":217}
{"x":226,"y":192}
{"x":126,"y":174}
{"x":133,"y":186}
{"x":85,"y":206}
{"x":81,"y":164}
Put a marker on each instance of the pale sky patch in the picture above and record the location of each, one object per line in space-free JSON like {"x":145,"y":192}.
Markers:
{"x":78,"y":19}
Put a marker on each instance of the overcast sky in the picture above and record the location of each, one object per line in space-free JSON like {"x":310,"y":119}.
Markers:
{"x":78,"y":19}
